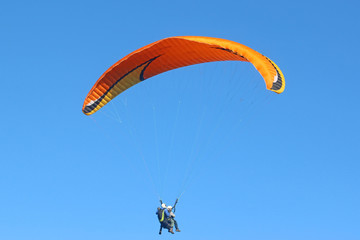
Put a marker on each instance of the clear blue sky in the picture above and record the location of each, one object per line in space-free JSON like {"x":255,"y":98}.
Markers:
{"x":290,"y":170}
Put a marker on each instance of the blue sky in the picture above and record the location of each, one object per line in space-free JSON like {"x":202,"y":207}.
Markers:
{"x":287,"y":170}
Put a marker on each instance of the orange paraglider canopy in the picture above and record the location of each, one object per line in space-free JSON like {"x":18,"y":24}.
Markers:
{"x":171,"y":53}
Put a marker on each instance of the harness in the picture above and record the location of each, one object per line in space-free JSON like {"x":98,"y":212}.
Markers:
{"x":161,"y":215}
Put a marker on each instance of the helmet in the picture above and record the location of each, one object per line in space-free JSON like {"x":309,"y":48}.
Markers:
{"x":163,"y":205}
{"x":169,"y":207}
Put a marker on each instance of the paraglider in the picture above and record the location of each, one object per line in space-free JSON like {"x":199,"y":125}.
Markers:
{"x":171,"y":53}
{"x":166,"y":217}
{"x":168,"y":54}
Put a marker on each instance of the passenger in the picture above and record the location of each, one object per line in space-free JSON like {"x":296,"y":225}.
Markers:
{"x":172,"y":219}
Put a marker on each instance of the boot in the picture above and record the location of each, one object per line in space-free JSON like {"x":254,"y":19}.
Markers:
{"x":171,"y":230}
{"x":178,"y":230}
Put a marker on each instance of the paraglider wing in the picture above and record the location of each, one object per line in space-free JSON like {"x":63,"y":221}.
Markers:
{"x":171,"y":53}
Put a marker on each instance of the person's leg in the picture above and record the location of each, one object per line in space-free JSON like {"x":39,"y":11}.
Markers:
{"x":172,"y":222}
{"x":171,"y":225}
{"x":176,"y":226}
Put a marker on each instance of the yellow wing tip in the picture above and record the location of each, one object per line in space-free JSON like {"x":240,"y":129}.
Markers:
{"x":278,"y":86}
